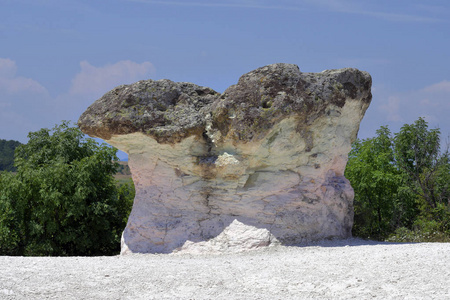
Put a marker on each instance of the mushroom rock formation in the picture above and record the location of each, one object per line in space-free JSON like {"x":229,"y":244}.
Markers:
{"x":261,"y":163}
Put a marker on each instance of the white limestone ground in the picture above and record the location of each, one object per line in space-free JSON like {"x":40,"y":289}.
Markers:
{"x":346,"y":269}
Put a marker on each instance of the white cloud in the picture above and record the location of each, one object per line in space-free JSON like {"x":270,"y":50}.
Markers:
{"x":230,"y":4}
{"x":8,"y":68}
{"x":20,"y":84}
{"x":363,"y":8}
{"x":396,"y":17}
{"x":10,"y":83}
{"x":395,"y":109}
{"x":392,"y":109}
{"x":95,"y":81}
{"x":436,"y":9}
{"x":25,"y":105}
{"x":441,"y":87}
{"x":339,"y":6}
{"x":23,"y":102}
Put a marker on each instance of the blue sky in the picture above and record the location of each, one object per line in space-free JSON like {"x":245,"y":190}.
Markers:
{"x":59,"y":56}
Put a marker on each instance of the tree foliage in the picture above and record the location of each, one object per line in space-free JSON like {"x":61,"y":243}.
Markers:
{"x":126,"y":193}
{"x":7,"y":154}
{"x":417,"y":153}
{"x":401,"y":181}
{"x":63,"y":200}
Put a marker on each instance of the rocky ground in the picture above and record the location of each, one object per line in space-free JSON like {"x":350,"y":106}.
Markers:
{"x":346,"y":269}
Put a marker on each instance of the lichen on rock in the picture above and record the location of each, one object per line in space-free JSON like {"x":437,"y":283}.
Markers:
{"x":269,"y":152}
{"x":165,"y":110}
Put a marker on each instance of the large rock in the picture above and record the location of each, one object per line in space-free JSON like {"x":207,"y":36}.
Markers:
{"x":269,"y":154}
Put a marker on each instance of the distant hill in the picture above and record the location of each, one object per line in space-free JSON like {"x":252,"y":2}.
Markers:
{"x":123,"y":169}
{"x":123,"y":174}
{"x":7,"y":154}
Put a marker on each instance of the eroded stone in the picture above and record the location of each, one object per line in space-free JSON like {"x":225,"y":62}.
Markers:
{"x":269,"y":153}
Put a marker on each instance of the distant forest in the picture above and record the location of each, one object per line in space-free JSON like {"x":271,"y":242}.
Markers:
{"x":7,"y":154}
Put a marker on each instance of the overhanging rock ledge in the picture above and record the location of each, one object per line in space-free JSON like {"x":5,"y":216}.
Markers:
{"x":261,"y":163}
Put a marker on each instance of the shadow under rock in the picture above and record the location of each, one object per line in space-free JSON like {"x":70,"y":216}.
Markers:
{"x":350,"y":242}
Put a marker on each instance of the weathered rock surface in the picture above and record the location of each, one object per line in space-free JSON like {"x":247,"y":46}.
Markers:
{"x":269,"y":154}
{"x":237,"y":237}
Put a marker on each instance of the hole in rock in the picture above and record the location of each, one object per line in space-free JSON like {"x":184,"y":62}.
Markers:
{"x":266,"y":104}
{"x":200,"y":92}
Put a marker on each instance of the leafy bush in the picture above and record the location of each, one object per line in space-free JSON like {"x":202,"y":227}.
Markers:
{"x":402,"y":185}
{"x":126,"y":193}
{"x":63,"y":199}
{"x":422,"y":232}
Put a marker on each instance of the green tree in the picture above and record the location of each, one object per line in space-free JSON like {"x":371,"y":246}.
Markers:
{"x":427,"y":169}
{"x":7,"y":154}
{"x":417,"y":152}
{"x":381,"y":201}
{"x":401,"y":185}
{"x":126,"y":193}
{"x":63,"y":199}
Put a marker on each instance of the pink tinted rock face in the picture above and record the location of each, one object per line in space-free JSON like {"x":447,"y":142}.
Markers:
{"x":261,"y":163}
